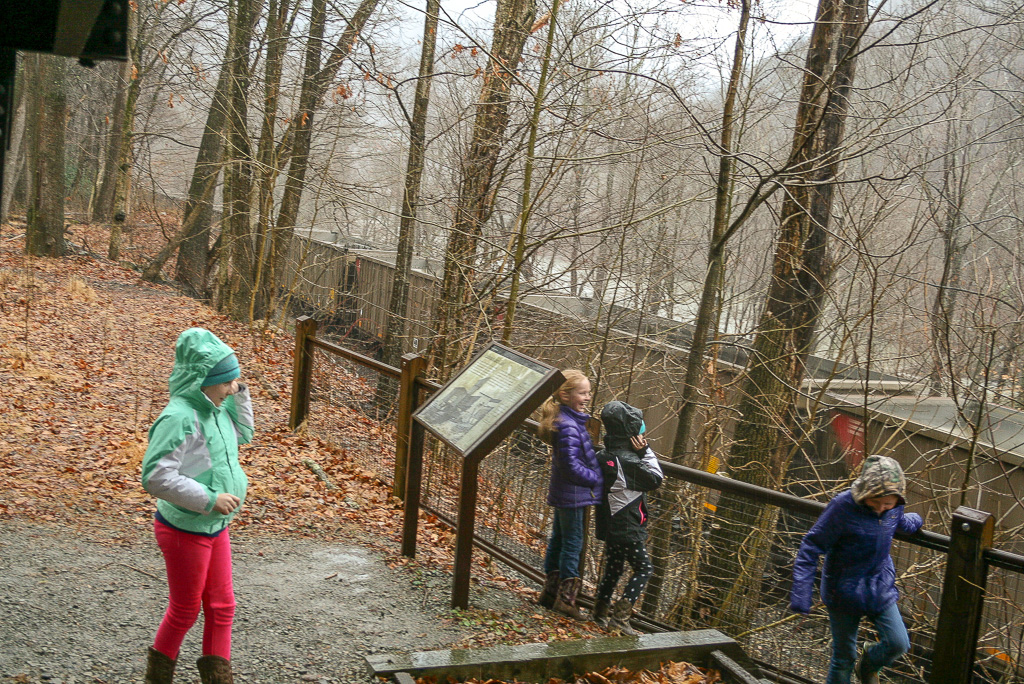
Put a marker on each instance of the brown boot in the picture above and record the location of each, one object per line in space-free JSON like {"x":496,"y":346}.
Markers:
{"x":565,"y":602}
{"x":550,"y":591}
{"x":215,"y":670}
{"x":619,"y":619}
{"x":602,"y":609}
{"x":159,"y":668}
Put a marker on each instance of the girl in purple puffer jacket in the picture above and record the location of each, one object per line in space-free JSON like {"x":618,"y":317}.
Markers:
{"x":576,"y":482}
{"x":858,"y":580}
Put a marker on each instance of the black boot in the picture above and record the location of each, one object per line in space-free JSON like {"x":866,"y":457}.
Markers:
{"x":550,"y":591}
{"x":619,"y":619}
{"x":565,"y":602}
{"x":215,"y":670}
{"x":159,"y":668}
{"x":602,"y":609}
{"x":865,"y":675}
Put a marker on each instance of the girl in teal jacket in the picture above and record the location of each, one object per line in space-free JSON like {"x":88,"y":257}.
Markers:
{"x":191,"y":467}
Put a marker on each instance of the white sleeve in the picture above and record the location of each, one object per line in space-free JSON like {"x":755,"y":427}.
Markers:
{"x":169,"y":479}
{"x":650,"y":460}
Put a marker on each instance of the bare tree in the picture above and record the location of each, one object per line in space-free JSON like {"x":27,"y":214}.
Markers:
{"x":512,"y":22}
{"x":710,"y":304}
{"x":237,"y":257}
{"x":194,"y":247}
{"x":800,"y":276}
{"x":398,"y":304}
{"x":103,"y":207}
{"x":315,"y":82}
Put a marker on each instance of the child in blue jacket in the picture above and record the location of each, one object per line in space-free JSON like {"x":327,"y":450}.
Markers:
{"x":858,"y":580}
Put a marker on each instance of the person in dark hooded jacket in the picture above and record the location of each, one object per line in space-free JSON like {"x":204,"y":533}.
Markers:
{"x":858,"y":580}
{"x":630,"y":469}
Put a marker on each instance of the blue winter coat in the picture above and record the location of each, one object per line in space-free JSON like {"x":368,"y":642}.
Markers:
{"x":858,"y":574}
{"x":576,"y":479}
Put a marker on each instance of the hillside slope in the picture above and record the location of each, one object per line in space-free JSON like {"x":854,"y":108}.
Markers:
{"x":86,"y":348}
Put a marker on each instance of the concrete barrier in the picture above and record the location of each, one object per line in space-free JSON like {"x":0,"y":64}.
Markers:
{"x":562,"y":659}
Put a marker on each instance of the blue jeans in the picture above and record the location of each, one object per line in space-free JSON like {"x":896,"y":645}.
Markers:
{"x":565,"y":544}
{"x":891,"y":630}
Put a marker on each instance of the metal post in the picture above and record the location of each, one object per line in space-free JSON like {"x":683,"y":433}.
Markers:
{"x":464,"y":533}
{"x":963,"y":590}
{"x":413,"y":365}
{"x":302,"y":371}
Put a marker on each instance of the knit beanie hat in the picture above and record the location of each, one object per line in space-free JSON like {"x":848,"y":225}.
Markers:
{"x":879,"y":476}
{"x":226,"y":370}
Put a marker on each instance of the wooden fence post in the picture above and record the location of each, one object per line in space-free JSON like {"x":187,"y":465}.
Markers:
{"x":963,"y":591}
{"x":464,"y":532}
{"x":413,"y":482}
{"x":302,"y":371}
{"x":413,"y":365}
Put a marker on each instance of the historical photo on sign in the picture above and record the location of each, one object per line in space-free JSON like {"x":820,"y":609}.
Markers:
{"x":474,"y":401}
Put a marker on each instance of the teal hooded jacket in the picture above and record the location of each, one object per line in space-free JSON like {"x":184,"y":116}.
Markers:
{"x":193,"y":445}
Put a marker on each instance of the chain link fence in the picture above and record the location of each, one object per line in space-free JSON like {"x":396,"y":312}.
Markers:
{"x":701,"y":581}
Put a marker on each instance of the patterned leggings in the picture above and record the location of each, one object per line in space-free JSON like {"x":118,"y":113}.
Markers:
{"x":615,"y":558}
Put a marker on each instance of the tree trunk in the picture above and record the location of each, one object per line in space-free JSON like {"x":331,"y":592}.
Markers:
{"x":103,"y":206}
{"x":512,"y":22}
{"x":14,"y":159}
{"x":265,"y":291}
{"x":194,"y":248}
{"x":711,"y":295}
{"x":526,"y":204}
{"x":126,"y":151}
{"x":44,"y":234}
{"x":707,"y":317}
{"x":398,"y":305}
{"x":951,"y":198}
{"x":767,"y":429}
{"x":237,"y":260}
{"x":314,"y":87}
{"x":87,"y":165}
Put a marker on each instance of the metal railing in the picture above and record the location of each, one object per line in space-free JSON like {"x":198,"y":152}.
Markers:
{"x":949,"y":584}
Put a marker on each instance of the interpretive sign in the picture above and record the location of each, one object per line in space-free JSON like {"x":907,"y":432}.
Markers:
{"x":472,"y":414}
{"x":475,"y":403}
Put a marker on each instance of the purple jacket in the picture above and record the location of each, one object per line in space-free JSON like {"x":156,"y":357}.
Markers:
{"x":576,"y":479}
{"x":858,"y":574}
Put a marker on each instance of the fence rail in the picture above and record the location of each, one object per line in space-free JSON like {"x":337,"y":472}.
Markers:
{"x":949,"y":582}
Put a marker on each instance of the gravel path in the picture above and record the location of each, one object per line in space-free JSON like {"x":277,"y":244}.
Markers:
{"x":78,"y":606}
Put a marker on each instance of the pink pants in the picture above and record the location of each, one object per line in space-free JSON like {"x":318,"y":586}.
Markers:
{"x":198,"y":575}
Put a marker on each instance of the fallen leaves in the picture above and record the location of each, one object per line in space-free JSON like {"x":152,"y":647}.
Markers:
{"x":84,"y":362}
{"x":668,"y":673}
{"x":84,"y":367}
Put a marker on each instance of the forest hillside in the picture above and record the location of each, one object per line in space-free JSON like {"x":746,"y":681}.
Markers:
{"x":86,"y":348}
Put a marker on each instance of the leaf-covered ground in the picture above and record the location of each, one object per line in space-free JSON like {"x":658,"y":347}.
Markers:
{"x":668,"y":673}
{"x":86,"y":348}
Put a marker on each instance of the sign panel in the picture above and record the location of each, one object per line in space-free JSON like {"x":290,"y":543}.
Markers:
{"x":475,"y":401}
